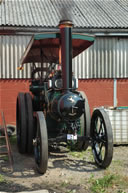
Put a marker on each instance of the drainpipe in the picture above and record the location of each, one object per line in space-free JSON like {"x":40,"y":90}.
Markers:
{"x":115,"y":93}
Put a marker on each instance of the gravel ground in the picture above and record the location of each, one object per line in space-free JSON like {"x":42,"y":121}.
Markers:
{"x":68,"y":172}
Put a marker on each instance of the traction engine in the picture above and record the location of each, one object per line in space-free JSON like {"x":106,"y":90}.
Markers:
{"x":54,"y":111}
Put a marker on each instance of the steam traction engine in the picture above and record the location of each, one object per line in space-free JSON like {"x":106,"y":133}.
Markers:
{"x":55,"y":111}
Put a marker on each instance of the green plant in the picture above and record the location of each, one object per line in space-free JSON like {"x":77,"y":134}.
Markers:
{"x":2,"y":141}
{"x":100,"y":184}
{"x":77,"y":154}
{"x":13,"y":139}
{"x":65,"y":184}
{"x":117,"y":163}
{"x":2,"y":179}
{"x":5,"y":158}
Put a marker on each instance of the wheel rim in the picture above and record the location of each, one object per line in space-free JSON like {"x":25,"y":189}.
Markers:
{"x":99,"y":140}
{"x":37,"y":152}
{"x":37,"y":146}
{"x":30,"y":122}
{"x":18,"y":129}
{"x":21,"y":126}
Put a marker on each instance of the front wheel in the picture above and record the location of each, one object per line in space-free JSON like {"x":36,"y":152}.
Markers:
{"x":102,"y":138}
{"x":41,"y":143}
{"x":85,"y":121}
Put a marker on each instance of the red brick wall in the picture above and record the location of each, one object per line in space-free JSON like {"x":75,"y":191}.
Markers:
{"x":98,"y":91}
{"x":122,"y":92}
{"x":8,"y":93}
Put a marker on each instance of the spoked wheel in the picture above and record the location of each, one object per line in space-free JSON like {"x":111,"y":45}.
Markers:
{"x":21,"y":123}
{"x":41,"y":143}
{"x":30,"y":122}
{"x":102,"y":138}
{"x":85,"y":121}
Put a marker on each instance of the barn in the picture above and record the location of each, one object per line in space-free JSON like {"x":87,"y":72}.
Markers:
{"x":102,"y":69}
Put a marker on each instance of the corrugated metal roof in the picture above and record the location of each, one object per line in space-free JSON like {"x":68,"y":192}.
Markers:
{"x":48,"y":13}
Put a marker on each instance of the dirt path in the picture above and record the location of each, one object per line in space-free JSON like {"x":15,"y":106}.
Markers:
{"x":68,"y":172}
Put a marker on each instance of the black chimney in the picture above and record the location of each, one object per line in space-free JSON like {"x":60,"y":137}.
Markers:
{"x":66,"y":53}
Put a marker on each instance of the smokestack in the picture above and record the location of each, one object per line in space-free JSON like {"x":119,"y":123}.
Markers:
{"x":66,"y":52}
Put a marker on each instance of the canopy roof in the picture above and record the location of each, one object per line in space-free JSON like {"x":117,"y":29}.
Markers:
{"x":44,"y":47}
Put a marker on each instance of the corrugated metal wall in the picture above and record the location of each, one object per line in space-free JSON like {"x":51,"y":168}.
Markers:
{"x":107,"y":58}
{"x":11,"y":50}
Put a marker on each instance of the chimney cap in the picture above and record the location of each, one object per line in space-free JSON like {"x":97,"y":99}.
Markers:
{"x":66,"y":23}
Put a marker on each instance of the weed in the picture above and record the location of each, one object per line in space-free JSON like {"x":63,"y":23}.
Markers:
{"x":91,"y":178}
{"x":117,"y":163}
{"x":99,"y":185}
{"x":5,"y":158}
{"x":13,"y":139}
{"x":77,"y":154}
{"x":65,"y":184}
{"x":107,"y":181}
{"x":2,"y":141}
{"x":2,"y":179}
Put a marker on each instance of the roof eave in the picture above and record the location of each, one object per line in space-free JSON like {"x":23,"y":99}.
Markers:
{"x":14,"y":30}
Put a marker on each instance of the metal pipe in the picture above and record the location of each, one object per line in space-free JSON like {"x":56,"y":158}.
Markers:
{"x":66,"y":53}
{"x":115,"y":93}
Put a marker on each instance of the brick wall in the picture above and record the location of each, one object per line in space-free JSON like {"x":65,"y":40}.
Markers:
{"x":98,"y":91}
{"x":8,"y":92}
{"x":122,"y":92}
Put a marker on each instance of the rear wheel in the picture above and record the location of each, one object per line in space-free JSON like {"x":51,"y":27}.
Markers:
{"x":102,"y":138}
{"x":30,"y":122}
{"x":41,"y":143}
{"x":21,"y":123}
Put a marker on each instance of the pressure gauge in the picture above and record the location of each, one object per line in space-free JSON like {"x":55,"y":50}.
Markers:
{"x":58,"y":83}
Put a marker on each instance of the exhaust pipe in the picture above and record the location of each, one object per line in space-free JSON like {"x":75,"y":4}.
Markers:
{"x":66,"y":53}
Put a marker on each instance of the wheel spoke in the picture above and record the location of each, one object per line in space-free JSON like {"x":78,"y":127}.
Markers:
{"x":97,"y":150}
{"x":100,"y":148}
{"x":101,"y":124}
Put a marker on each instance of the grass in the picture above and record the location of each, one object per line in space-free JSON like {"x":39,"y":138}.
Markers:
{"x":117,"y":163}
{"x":83,"y":155}
{"x":2,"y":141}
{"x":77,"y":154}
{"x":13,"y":140}
{"x":107,"y":182}
{"x":2,"y":179}
{"x":100,"y":184}
{"x":5,"y":158}
{"x":65,"y":184}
